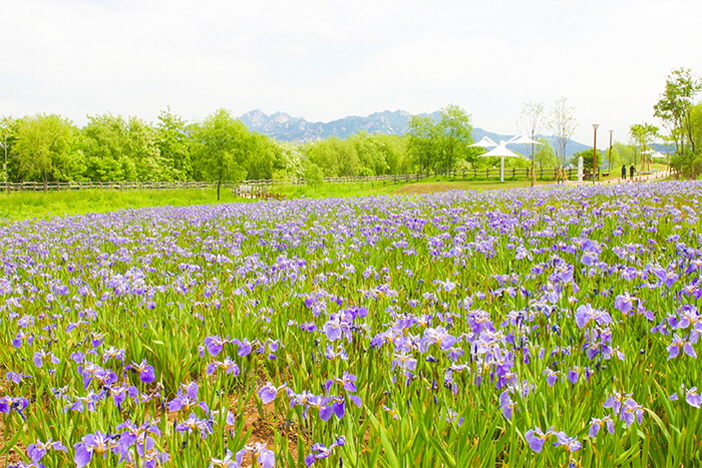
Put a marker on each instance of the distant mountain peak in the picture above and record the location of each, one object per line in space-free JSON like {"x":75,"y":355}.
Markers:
{"x":284,"y":127}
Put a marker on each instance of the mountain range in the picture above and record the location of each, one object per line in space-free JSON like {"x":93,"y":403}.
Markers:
{"x":284,"y":127}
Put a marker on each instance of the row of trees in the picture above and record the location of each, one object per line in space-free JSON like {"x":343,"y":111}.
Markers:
{"x":47,"y":148}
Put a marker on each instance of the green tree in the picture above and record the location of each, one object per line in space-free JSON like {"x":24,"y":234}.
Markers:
{"x":453,"y":137}
{"x":643,"y":135}
{"x":545,"y":156}
{"x":615,"y":159}
{"x":421,"y":144}
{"x":626,"y":153}
{"x":46,"y":148}
{"x":219,"y":148}
{"x":587,"y":158}
{"x":262,"y":156}
{"x":117,"y":149}
{"x":696,"y":126}
{"x":142,"y":148}
{"x":675,"y":105}
{"x":8,"y":131}
{"x":371,"y":153}
{"x":292,"y":161}
{"x":173,"y":143}
{"x":335,"y":157}
{"x":394,"y":149}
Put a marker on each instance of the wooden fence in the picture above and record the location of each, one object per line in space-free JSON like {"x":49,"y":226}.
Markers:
{"x":542,"y":174}
{"x":93,"y":185}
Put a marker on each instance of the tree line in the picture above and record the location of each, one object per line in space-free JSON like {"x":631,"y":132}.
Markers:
{"x":50,"y":148}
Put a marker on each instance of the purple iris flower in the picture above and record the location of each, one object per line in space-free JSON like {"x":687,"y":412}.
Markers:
{"x":187,"y":400}
{"x":615,"y":401}
{"x":347,"y":381}
{"x":630,"y":411}
{"x":214,"y":344}
{"x":536,"y":438}
{"x":320,"y":451}
{"x":229,"y":367}
{"x":436,"y":336}
{"x":264,"y":457}
{"x":193,"y":423}
{"x":624,"y":302}
{"x":91,"y":444}
{"x":268,"y":392}
{"x":37,"y":450}
{"x":585,"y":314}
{"x":337,"y":327}
{"x":506,"y":404}
{"x":150,"y":455}
{"x":16,"y":377}
{"x":145,"y":371}
{"x":551,"y":376}
{"x":39,"y":357}
{"x":120,"y":393}
{"x":339,"y":352}
{"x":693,"y":398}
{"x":680,"y":344}
{"x":113,"y":353}
{"x":452,"y":418}
{"x":403,"y":360}
{"x":570,"y":444}
{"x":89,"y":401}
{"x":597,"y":423}
{"x":18,"y":340}
{"x":226,"y":462}
{"x":245,"y":346}
{"x":574,"y":375}
{"x":9,"y":404}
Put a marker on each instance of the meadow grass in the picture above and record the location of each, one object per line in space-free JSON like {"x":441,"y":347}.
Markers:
{"x":522,"y":328}
{"x":45,"y":205}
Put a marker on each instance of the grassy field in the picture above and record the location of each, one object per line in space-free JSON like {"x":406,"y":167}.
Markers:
{"x":26,"y":205}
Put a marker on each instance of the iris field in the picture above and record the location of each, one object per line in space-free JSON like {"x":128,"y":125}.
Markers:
{"x":544,"y":327}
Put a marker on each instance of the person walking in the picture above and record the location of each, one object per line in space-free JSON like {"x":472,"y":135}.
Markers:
{"x":624,"y":171}
{"x":632,"y":171}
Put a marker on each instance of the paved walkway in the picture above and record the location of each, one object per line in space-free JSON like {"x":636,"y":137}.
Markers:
{"x":639,"y":178}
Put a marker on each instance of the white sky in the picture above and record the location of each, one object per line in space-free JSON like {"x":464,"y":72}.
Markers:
{"x":326,"y":59}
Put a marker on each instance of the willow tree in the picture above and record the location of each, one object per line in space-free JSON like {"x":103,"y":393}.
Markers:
{"x":45,"y":147}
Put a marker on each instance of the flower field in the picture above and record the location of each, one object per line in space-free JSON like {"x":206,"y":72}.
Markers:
{"x":518,"y":328}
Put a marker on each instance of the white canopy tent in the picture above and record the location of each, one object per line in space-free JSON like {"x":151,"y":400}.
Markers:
{"x":485,"y":142}
{"x":501,"y":151}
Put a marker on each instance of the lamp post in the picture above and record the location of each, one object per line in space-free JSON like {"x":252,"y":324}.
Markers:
{"x":594,"y":155}
{"x":609,"y":157}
